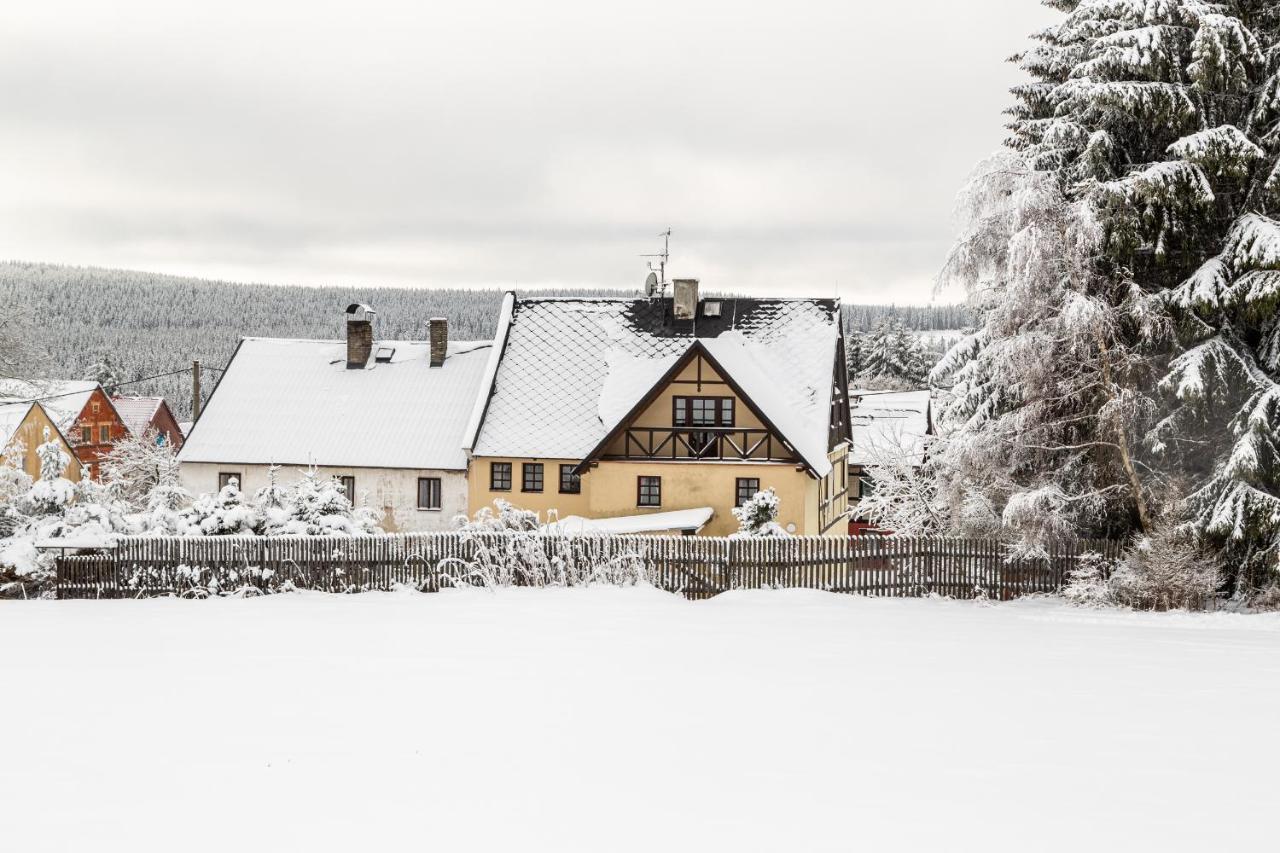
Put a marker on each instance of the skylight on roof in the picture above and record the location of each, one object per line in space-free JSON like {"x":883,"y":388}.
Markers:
{"x":384,"y":354}
{"x":711,"y":308}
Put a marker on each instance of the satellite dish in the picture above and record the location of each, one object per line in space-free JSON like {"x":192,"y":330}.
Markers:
{"x":651,"y":285}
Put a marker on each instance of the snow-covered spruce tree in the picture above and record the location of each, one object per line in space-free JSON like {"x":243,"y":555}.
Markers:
{"x":52,"y":492}
{"x":221,"y":514}
{"x":853,"y":354}
{"x":136,"y":466}
{"x":105,"y":373}
{"x":892,"y":358}
{"x":1124,"y":262}
{"x":758,"y":516}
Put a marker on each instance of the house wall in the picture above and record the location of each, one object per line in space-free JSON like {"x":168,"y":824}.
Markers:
{"x":31,"y":434}
{"x":97,"y":412}
{"x":609,"y":489}
{"x":392,"y":490}
{"x":164,"y":423}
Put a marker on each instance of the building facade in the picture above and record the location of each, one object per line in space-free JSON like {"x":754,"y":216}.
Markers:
{"x":618,"y":408}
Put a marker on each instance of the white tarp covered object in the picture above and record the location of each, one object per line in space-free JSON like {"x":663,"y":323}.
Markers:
{"x":680,"y":519}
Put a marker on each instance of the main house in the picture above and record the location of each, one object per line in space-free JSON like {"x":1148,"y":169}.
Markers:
{"x":386,"y":417}
{"x":82,"y":411}
{"x":675,"y":408}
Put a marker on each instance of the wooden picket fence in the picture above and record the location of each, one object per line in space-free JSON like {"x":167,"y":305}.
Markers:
{"x":697,"y":567}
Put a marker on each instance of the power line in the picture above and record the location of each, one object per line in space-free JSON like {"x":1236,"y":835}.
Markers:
{"x":114,"y":385}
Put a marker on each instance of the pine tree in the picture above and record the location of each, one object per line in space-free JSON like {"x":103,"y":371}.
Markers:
{"x":892,"y":357}
{"x":853,"y":354}
{"x":758,"y":516}
{"x":1124,"y":260}
{"x":105,"y":374}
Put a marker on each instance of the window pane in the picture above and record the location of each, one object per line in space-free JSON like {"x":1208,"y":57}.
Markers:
{"x":570,"y":483}
{"x":349,"y":488}
{"x":726,"y":411}
{"x":86,"y":435}
{"x":649,"y":491}
{"x":104,"y":434}
{"x":500,"y":476}
{"x":428,"y":493}
{"x":746,"y":489}
{"x":532,"y":477}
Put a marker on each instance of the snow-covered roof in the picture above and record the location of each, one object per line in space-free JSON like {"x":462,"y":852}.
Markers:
{"x":572,"y":367}
{"x":63,"y":399}
{"x":889,"y":425}
{"x":680,"y":519}
{"x":295,"y":402}
{"x":11,"y":417}
{"x":137,"y":412}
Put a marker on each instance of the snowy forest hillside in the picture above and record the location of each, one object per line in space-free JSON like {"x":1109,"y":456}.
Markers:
{"x":148,"y":324}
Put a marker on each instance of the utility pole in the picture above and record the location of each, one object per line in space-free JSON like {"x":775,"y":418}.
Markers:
{"x":195,"y":390}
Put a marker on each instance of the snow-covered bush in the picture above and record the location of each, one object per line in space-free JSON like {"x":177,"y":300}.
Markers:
{"x":222,"y":514}
{"x":136,"y":466}
{"x":503,"y":517}
{"x":758,"y":516}
{"x":904,"y":498}
{"x":1167,"y":570}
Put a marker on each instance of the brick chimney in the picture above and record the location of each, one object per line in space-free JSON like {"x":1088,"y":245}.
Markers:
{"x":439,"y":337}
{"x":359,"y":335}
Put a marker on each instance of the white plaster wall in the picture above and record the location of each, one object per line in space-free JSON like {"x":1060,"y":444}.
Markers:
{"x":392,"y":490}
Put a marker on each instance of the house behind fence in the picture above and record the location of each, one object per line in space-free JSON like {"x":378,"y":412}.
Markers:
{"x":697,"y":567}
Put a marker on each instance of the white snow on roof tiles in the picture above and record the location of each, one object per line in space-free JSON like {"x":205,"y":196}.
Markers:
{"x":889,"y":425}
{"x":571,"y":364}
{"x":294,"y":402}
{"x":137,"y":412}
{"x":11,"y":417}
{"x":63,"y":400}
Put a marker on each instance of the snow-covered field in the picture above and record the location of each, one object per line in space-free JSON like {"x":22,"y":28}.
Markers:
{"x":629,"y":719}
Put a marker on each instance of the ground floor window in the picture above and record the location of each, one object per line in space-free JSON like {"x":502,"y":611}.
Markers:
{"x":428,"y":493}
{"x":349,"y":488}
{"x":745,"y":490}
{"x":225,"y":478}
{"x":649,"y":491}
{"x":570,"y":483}
{"x":531,"y":475}
{"x":499,"y":476}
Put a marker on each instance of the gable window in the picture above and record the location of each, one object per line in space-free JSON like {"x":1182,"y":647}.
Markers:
{"x":499,"y":476}
{"x":745,"y":490}
{"x":531,"y":476}
{"x":96,"y":406}
{"x":570,"y":483}
{"x":104,"y":433}
{"x":702,"y":411}
{"x":86,"y":434}
{"x":348,"y":488}
{"x":225,"y":478}
{"x":648,"y":491}
{"x":428,"y":493}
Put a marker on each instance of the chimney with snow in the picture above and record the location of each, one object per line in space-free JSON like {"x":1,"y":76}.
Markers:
{"x":359,"y":335}
{"x":439,"y":336}
{"x":685,"y":301}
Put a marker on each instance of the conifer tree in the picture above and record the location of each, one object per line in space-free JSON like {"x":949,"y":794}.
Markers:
{"x":1123,"y":257}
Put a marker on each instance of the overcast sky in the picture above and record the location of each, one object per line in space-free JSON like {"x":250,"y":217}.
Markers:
{"x":807,"y":147}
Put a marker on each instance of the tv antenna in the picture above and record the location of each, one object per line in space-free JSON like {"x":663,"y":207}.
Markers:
{"x":656,"y":283}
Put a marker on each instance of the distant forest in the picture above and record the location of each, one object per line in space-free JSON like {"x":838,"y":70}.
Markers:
{"x":149,"y":324}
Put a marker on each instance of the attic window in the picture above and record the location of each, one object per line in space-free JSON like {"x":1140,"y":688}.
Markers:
{"x":711,"y":308}
{"x":383,"y":355}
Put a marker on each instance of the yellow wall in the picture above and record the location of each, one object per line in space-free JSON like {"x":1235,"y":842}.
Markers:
{"x":609,"y":490}
{"x":30,"y":434}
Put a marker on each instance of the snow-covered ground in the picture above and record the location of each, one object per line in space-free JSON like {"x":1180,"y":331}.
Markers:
{"x":629,"y":719}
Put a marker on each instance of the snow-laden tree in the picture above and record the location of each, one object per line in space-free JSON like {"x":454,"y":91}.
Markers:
{"x":52,"y":492}
{"x":1124,"y":261}
{"x":136,"y":466}
{"x":222,"y":514}
{"x":904,"y":493}
{"x":853,"y":358}
{"x":892,"y":357}
{"x":105,"y":373}
{"x":315,"y":505}
{"x":758,"y":515}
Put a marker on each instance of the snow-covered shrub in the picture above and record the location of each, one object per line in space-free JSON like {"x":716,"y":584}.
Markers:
{"x":52,"y":492}
{"x":221,"y":514}
{"x":503,"y":517}
{"x":1088,"y":584}
{"x":1167,"y":570}
{"x":138,"y":465}
{"x":758,"y":516}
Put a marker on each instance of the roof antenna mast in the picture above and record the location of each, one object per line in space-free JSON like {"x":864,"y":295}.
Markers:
{"x":656,"y":284}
